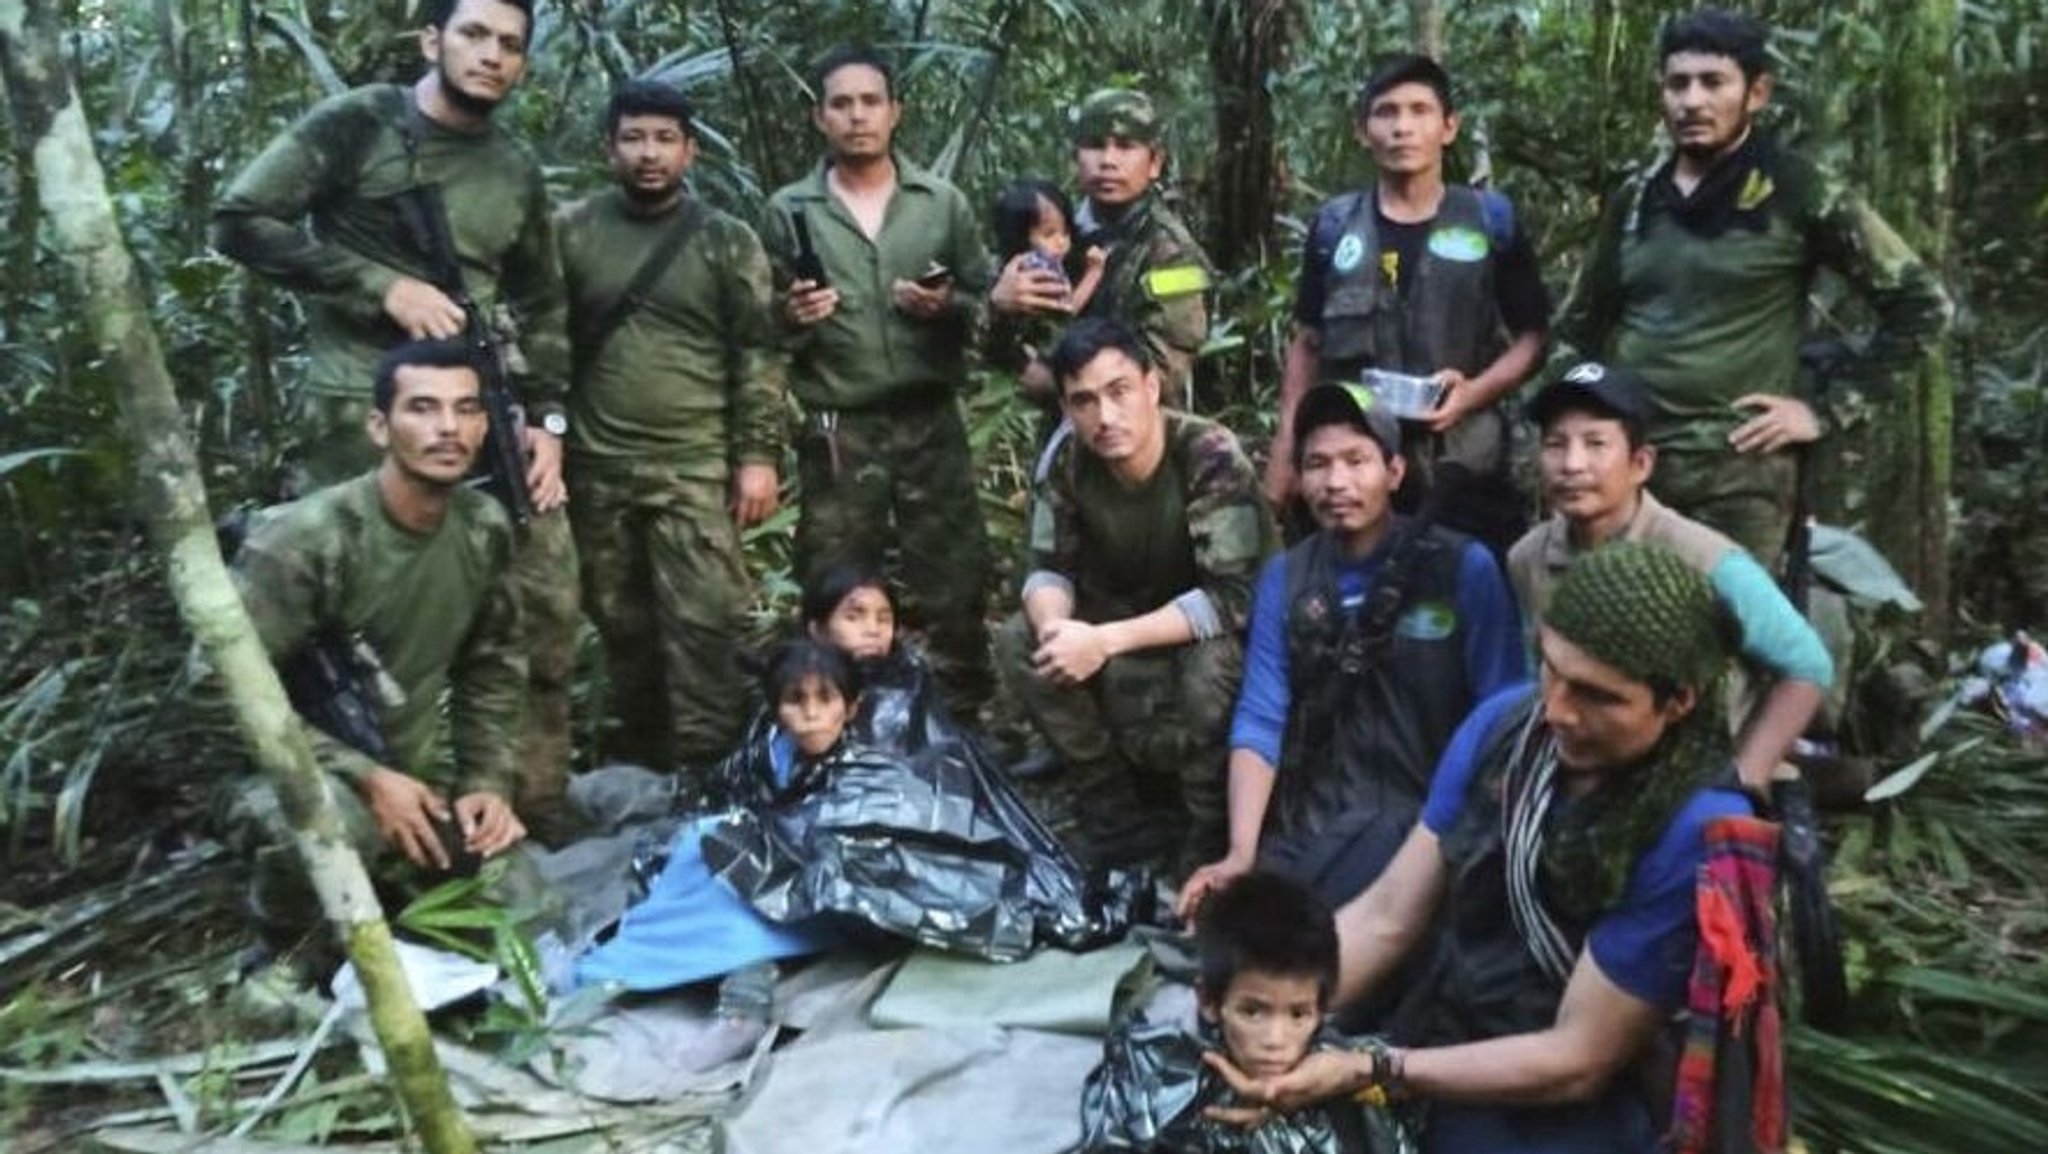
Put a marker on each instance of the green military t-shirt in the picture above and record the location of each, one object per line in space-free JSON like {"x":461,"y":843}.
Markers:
{"x":436,"y":609}
{"x":337,"y":169}
{"x":1198,"y":526}
{"x":1710,"y":311}
{"x":689,"y":378}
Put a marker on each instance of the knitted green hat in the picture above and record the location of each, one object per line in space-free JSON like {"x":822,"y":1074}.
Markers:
{"x":1643,"y":610}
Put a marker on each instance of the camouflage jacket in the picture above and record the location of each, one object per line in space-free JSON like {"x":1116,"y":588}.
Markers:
{"x":1157,"y":282}
{"x":315,"y":212}
{"x":436,"y":609}
{"x":689,"y":378}
{"x":1706,"y":296}
{"x":1193,"y":534}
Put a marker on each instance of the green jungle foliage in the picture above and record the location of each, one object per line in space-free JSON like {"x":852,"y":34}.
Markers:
{"x":108,"y":739}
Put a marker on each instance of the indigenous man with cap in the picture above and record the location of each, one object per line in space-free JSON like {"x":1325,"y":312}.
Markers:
{"x":1556,"y":863}
{"x":1597,"y":463}
{"x":1157,"y":279}
{"x":1417,"y":276}
{"x":1698,"y":276}
{"x":1146,"y":535}
{"x":677,"y":431}
{"x":877,"y":354}
{"x":1370,"y":641}
{"x":318,"y":212}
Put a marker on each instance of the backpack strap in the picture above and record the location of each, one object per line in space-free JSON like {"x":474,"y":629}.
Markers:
{"x":590,"y":339}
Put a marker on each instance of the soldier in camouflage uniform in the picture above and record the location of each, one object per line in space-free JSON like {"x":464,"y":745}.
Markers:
{"x":1698,"y":277}
{"x":1146,"y":537}
{"x":1157,"y":278}
{"x":877,"y":353}
{"x":675,"y":431}
{"x":367,"y":282}
{"x":414,"y":564}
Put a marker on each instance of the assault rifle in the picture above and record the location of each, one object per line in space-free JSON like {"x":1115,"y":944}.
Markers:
{"x":504,"y":457}
{"x":336,"y":682}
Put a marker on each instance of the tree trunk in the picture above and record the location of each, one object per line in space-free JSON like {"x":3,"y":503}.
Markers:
{"x":1426,"y":27}
{"x":1248,"y":42}
{"x":1913,"y":441}
{"x":46,"y":112}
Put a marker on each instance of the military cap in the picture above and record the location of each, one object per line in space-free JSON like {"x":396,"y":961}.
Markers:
{"x":1121,"y":112}
{"x":1343,"y":403}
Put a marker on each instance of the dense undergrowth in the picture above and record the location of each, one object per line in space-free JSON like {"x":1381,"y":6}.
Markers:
{"x":111,"y":748}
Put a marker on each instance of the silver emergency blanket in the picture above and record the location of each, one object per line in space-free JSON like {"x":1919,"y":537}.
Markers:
{"x":1152,"y":1087}
{"x":934,"y":846}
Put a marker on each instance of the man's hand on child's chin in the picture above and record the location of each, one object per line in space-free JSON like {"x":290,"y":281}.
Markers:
{"x":1323,"y":1075}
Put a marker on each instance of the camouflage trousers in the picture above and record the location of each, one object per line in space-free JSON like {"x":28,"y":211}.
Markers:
{"x":666,"y":584}
{"x":1748,"y":496}
{"x":1145,"y":741}
{"x":334,"y":446}
{"x":904,"y":477}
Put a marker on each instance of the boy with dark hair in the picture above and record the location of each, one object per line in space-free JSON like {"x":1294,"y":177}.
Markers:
{"x":1267,"y":952}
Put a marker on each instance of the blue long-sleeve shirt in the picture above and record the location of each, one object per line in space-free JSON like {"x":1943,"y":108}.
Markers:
{"x":1492,"y":628}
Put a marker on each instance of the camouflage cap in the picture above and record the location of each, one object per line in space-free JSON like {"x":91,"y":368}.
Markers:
{"x":1121,"y":112}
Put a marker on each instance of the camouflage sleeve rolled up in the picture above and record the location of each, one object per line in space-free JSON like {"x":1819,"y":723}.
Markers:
{"x":531,"y":281}
{"x":758,"y":372}
{"x":1229,"y":524}
{"x":488,"y":693}
{"x":280,"y":586}
{"x":1846,"y":235}
{"x":261,"y":222}
{"x":1593,"y":308}
{"x":1167,"y":301}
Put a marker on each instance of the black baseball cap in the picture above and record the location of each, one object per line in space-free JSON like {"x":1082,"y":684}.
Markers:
{"x":1340,"y":403}
{"x":1606,"y":389}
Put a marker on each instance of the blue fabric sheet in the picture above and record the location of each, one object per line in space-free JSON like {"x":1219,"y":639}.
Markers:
{"x":692,"y":926}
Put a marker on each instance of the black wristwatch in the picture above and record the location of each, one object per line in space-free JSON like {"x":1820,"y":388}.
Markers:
{"x":555,"y":424}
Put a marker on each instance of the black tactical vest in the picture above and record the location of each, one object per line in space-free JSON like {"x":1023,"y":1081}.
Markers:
{"x":1369,"y":714}
{"x":1484,"y":982}
{"x":1449,"y":317}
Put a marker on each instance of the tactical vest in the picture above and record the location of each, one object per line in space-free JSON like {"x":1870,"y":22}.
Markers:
{"x":1369,"y":715}
{"x":1449,"y":317}
{"x":1484,"y":982}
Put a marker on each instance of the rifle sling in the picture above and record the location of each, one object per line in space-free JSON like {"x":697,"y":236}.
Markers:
{"x":590,"y":339}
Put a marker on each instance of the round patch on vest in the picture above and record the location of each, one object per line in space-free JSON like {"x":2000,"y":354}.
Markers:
{"x":1429,"y":621}
{"x":1459,"y":244}
{"x":1350,"y":251}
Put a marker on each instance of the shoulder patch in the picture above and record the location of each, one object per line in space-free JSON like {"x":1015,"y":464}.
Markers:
{"x":1176,"y":281}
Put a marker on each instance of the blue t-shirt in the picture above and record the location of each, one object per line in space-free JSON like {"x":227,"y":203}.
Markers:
{"x":1645,"y":945}
{"x":1491,"y":624}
